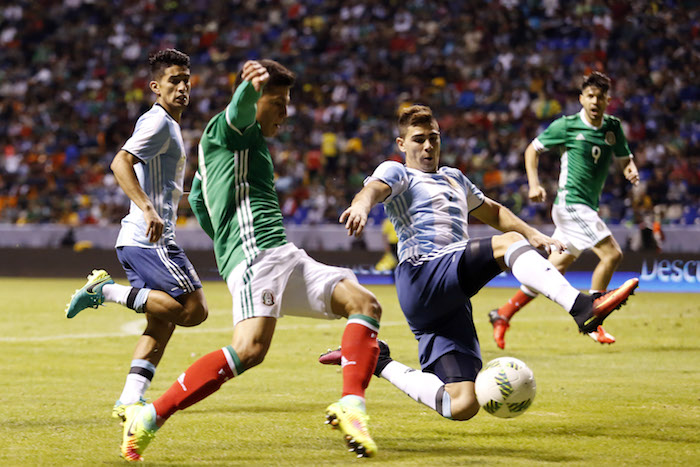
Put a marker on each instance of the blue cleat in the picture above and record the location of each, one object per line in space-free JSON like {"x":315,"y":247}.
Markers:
{"x":90,"y":295}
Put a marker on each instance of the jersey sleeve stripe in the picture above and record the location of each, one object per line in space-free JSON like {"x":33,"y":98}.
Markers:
{"x":539,"y":147}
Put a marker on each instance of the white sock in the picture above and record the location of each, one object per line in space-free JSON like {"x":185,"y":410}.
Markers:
{"x":137,"y":381}
{"x":422,"y":387}
{"x":116,"y":293}
{"x":538,"y":274}
{"x":528,"y":292}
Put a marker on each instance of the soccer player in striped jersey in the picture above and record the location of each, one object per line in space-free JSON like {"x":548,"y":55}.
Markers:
{"x":440,"y":267}
{"x":150,"y":168}
{"x":589,"y":141}
{"x":234,"y":199}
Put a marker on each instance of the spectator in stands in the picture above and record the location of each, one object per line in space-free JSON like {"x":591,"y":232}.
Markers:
{"x":69,"y":95}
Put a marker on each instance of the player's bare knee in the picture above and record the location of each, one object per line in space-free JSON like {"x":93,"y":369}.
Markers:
{"x":501,"y":243}
{"x":615,"y":257}
{"x":194,"y":315}
{"x":251,"y":354}
{"x":371,"y":307}
{"x":464,"y":408}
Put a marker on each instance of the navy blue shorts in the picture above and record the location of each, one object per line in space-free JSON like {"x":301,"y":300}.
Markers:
{"x":434,"y":297}
{"x":163,"y":268}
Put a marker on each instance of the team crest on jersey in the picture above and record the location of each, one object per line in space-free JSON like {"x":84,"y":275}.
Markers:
{"x":610,"y":138}
{"x":268,"y":298}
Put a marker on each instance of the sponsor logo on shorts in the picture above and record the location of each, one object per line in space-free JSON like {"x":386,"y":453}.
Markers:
{"x":268,"y":298}
{"x":610,"y":138}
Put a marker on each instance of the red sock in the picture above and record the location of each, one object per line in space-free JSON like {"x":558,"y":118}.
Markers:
{"x":203,"y":378}
{"x":359,"y":351}
{"x":519,"y":300}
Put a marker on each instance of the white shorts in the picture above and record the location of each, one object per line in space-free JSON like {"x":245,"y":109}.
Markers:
{"x":284,"y":280}
{"x":578,"y":227}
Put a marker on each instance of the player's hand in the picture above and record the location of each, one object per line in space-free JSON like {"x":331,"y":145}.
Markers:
{"x":537,"y":194}
{"x":632,"y":174}
{"x":154,"y":225}
{"x":546,"y":243}
{"x":355,"y":220}
{"x":256,"y":74}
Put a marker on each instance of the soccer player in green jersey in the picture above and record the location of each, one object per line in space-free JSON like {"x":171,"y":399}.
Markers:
{"x":589,"y":141}
{"x":234,"y":199}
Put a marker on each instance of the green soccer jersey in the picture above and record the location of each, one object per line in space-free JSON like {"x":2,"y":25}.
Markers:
{"x":233,"y":194}
{"x":586,"y":154}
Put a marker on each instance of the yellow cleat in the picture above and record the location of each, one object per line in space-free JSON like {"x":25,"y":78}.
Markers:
{"x":136,"y":436}
{"x":352,"y":422}
{"x":119,"y":410}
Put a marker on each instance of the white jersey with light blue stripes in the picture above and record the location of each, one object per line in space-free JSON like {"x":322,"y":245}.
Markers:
{"x":157,"y":143}
{"x":429,"y":210}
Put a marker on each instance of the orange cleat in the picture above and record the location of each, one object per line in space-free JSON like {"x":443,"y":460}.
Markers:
{"x":606,"y":304}
{"x":602,"y":336}
{"x":500,"y":326}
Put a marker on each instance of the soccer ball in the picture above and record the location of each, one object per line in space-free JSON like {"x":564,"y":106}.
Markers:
{"x":505,"y":387}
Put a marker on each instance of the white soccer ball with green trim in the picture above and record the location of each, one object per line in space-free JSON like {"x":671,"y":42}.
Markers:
{"x":505,"y":387}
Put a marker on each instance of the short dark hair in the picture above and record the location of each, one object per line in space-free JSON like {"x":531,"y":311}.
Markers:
{"x":163,"y":59}
{"x":279,"y":74}
{"x":597,"y":79}
{"x":414,"y":115}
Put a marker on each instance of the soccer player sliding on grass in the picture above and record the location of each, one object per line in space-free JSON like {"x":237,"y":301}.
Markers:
{"x":588,"y":141}
{"x":441,"y":268}
{"x":234,"y":199}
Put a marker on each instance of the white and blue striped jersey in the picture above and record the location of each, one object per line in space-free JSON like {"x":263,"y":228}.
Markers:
{"x":429,"y":210}
{"x":157,"y":143}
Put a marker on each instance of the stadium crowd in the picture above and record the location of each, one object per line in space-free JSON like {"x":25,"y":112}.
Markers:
{"x":74,"y":75}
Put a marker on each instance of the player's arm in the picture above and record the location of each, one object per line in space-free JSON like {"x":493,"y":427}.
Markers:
{"x":123,"y":168}
{"x":355,"y":217}
{"x":196,"y":200}
{"x":501,"y":218}
{"x":241,"y":112}
{"x":629,"y":169}
{"x":536,"y":192}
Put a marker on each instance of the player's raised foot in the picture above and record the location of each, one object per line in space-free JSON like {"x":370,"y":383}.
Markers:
{"x":602,"y":336}
{"x":90,"y":295}
{"x":606,"y":304}
{"x":119,"y":409}
{"x":500,"y":326}
{"x":352,"y":420}
{"x":139,"y":430}
{"x":333,"y":357}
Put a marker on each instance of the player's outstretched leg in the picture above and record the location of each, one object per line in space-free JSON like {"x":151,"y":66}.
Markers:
{"x":333,"y":357}
{"x":604,"y":305}
{"x":90,"y":295}
{"x":351,"y":420}
{"x":139,"y":429}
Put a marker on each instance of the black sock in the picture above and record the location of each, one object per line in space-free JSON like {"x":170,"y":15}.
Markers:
{"x":582,"y":309}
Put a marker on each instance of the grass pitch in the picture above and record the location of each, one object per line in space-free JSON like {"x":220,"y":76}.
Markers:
{"x":633,"y":403}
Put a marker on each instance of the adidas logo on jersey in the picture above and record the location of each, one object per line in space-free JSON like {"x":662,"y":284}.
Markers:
{"x":580,"y":137}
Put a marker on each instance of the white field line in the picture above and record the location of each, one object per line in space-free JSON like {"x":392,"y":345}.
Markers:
{"x":136,"y":327}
